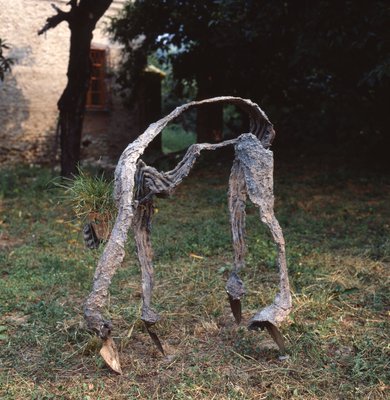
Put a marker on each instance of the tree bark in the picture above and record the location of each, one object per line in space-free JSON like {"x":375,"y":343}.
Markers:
{"x":82,"y":19}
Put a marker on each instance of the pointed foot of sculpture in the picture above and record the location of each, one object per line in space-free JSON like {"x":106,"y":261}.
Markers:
{"x":150,"y":317}
{"x":272,"y":330}
{"x":235,"y":306}
{"x":110,"y":355}
{"x":235,"y":290}
{"x":153,"y":335}
{"x":269,"y":318}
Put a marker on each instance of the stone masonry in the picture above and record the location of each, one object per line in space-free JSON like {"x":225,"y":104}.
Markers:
{"x":29,"y":94}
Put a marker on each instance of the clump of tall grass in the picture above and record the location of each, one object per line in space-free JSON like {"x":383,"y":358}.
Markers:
{"x":89,"y":196}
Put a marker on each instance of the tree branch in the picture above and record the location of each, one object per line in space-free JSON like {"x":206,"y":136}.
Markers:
{"x":53,"y":21}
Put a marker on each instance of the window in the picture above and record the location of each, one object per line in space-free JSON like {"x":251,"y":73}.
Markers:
{"x":97,"y":96}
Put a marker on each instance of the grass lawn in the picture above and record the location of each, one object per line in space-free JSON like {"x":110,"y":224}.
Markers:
{"x":337,"y":230}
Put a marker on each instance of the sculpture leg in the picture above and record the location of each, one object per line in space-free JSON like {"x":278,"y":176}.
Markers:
{"x":142,"y":227}
{"x":271,"y":316}
{"x":257,"y":166}
{"x":236,"y":201}
{"x":110,"y":260}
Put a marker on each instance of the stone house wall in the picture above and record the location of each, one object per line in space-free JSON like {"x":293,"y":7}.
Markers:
{"x":29,"y":95}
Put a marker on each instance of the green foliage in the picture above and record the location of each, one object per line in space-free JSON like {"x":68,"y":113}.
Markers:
{"x":5,"y":62}
{"x":175,"y":138}
{"x":321,"y":68}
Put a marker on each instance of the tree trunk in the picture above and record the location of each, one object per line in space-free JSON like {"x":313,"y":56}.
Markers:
{"x":209,"y":118}
{"x":148,"y":103}
{"x":72,"y":102}
{"x":82,"y":19}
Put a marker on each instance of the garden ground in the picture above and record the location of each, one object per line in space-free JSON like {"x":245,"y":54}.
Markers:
{"x":337,"y":228}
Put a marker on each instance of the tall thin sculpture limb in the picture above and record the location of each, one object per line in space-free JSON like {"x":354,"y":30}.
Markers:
{"x":236,"y":201}
{"x":257,"y":165}
{"x":142,"y":228}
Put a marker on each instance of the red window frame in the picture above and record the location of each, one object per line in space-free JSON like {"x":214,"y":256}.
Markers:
{"x":97,"y":96}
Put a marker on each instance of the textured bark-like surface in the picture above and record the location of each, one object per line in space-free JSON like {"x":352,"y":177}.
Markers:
{"x":135,"y":186}
{"x":252,"y":175}
{"x":236,"y":201}
{"x":257,"y":165}
{"x":141,"y":227}
{"x":91,"y":239}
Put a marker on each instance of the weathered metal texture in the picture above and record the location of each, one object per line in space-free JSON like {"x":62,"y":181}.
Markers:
{"x":236,"y":200}
{"x":135,"y":186}
{"x":257,"y":166}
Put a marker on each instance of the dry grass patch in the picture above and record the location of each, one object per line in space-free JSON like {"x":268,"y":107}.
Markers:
{"x":338,"y":334}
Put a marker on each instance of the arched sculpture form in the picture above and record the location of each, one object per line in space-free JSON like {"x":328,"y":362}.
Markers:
{"x":135,"y":186}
